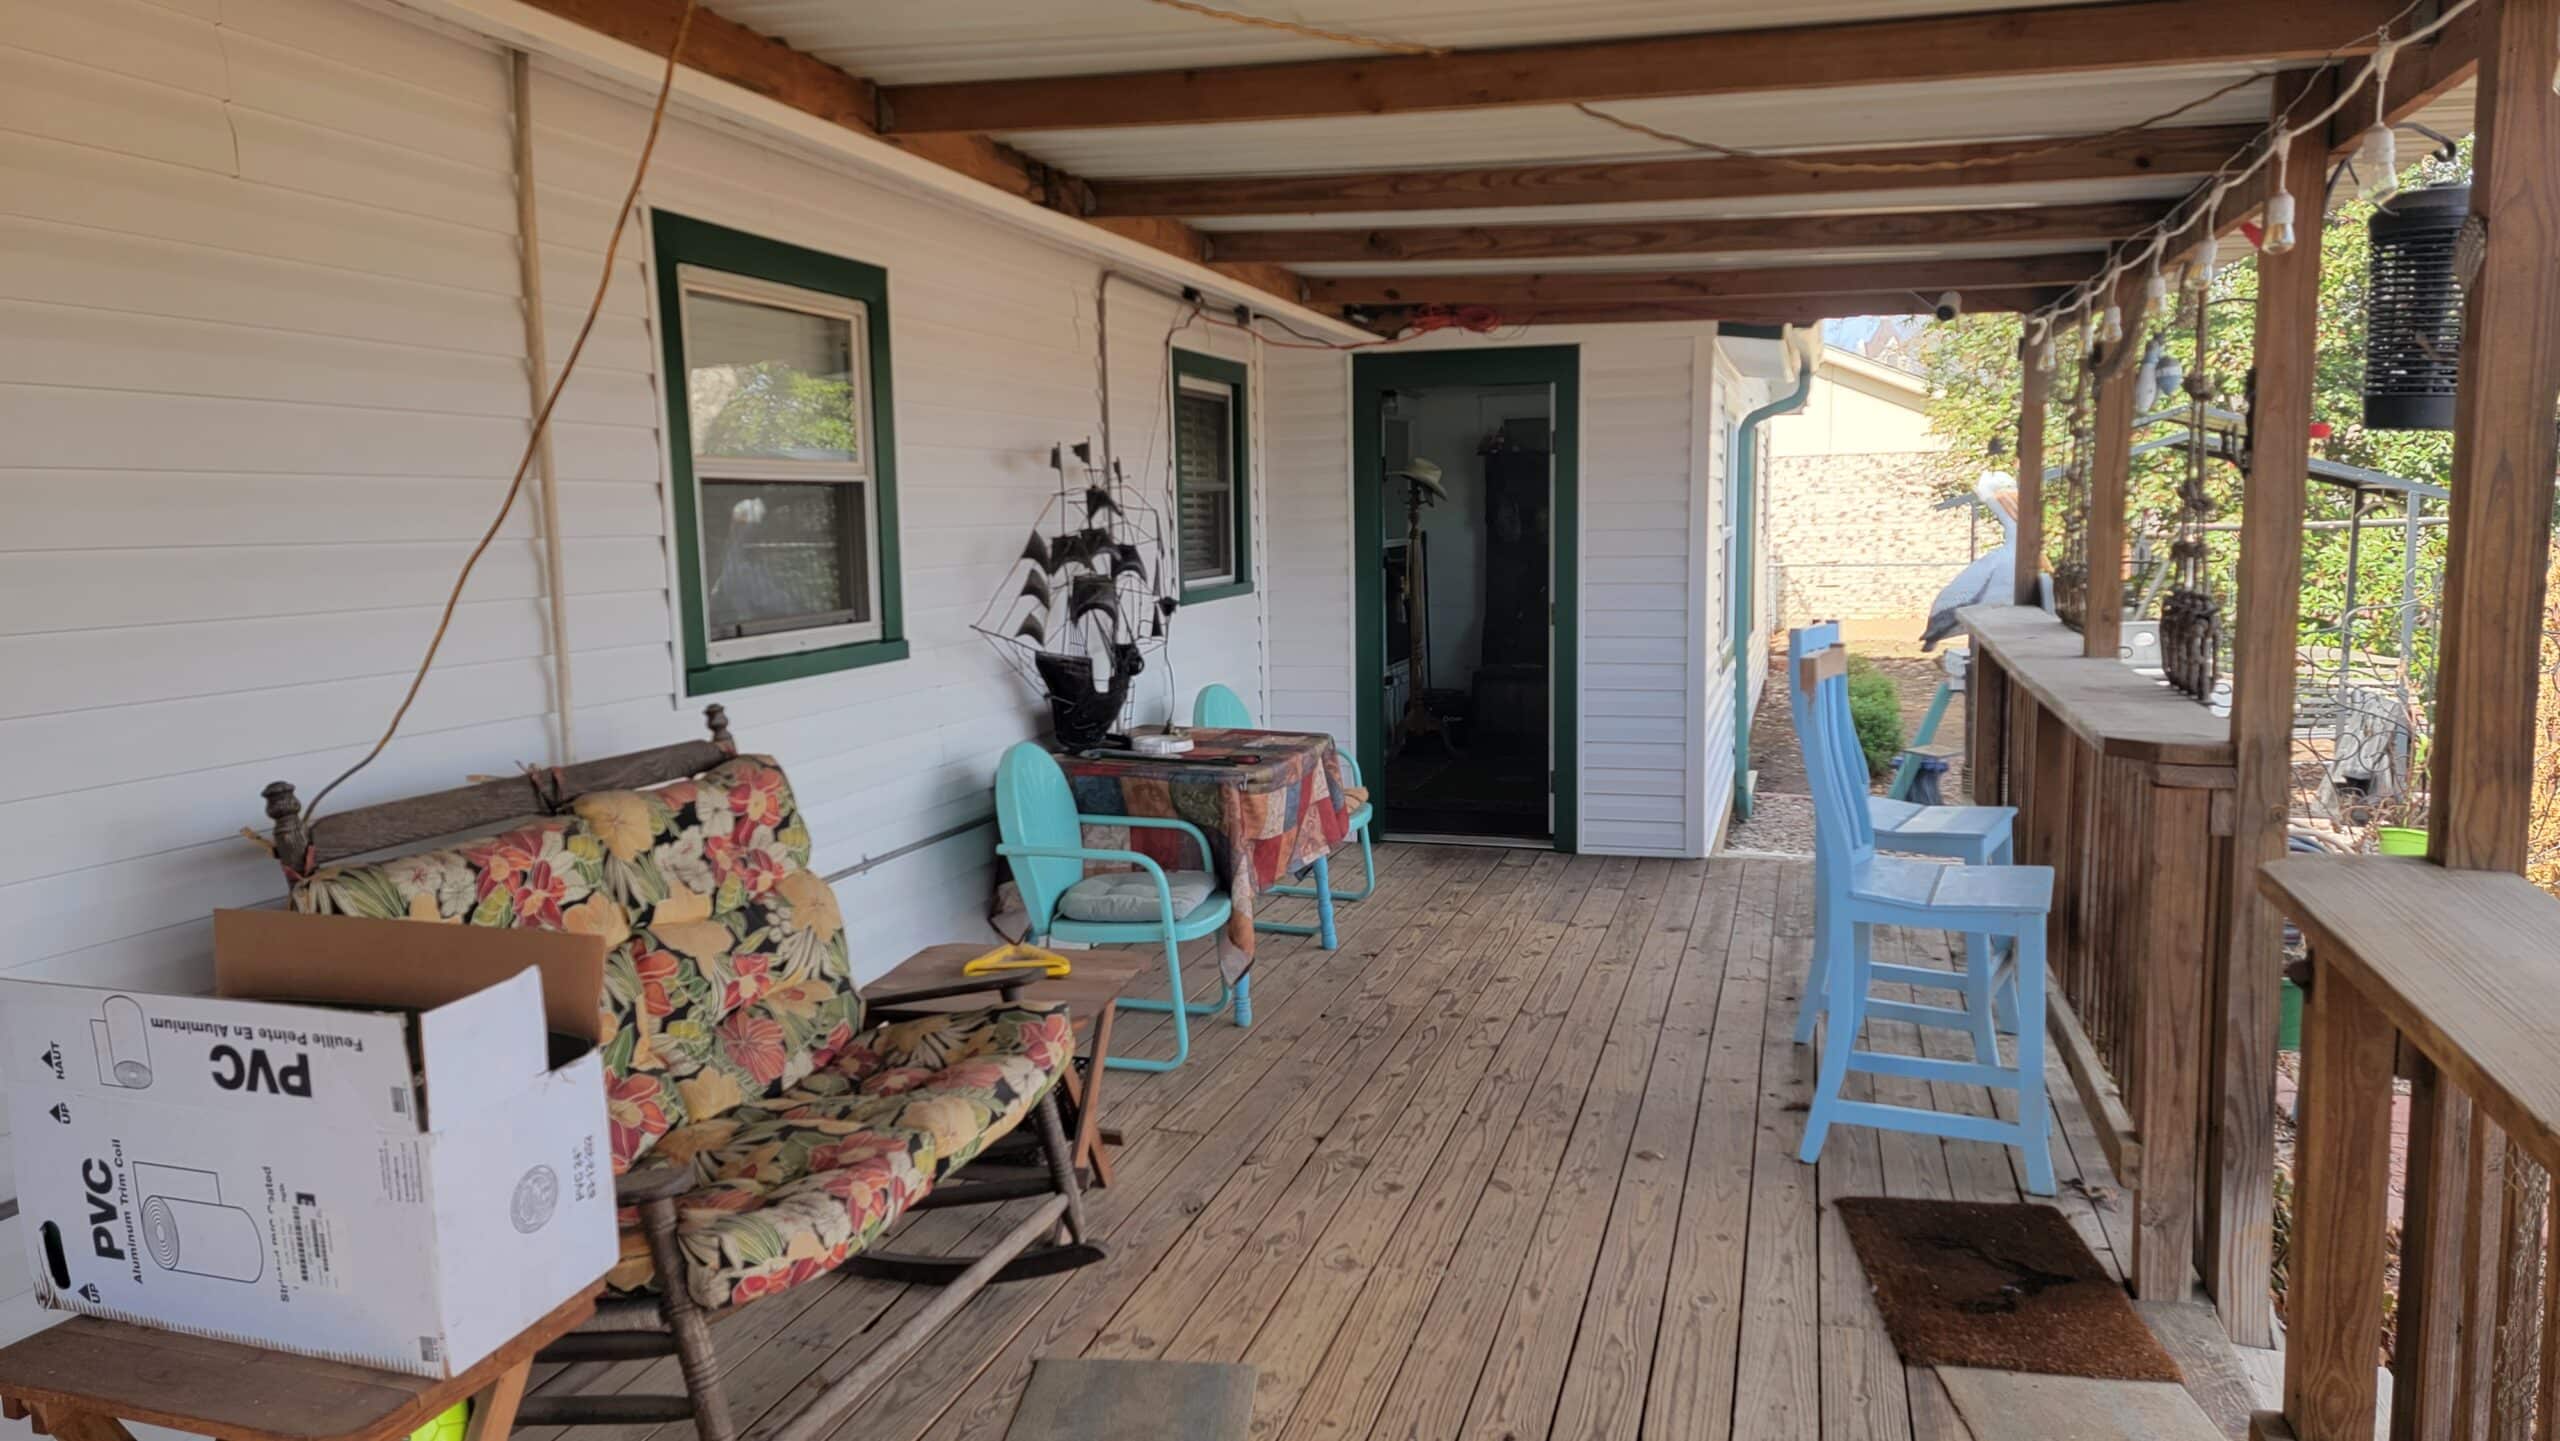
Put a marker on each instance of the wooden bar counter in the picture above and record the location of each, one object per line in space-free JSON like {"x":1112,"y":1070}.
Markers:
{"x":2123,"y":785}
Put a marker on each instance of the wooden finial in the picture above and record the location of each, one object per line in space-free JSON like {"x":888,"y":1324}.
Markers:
{"x":716,"y":716}
{"x":285,"y":809}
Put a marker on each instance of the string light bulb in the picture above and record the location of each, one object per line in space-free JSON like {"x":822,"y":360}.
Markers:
{"x":2378,"y":164}
{"x":2155,"y":287}
{"x":2278,"y":237}
{"x":2111,"y":324}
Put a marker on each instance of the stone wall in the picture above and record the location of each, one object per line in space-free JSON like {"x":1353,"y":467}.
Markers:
{"x":1856,"y":538}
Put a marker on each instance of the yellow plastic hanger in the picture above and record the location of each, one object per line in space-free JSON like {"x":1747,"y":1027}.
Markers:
{"x":1018,"y":957}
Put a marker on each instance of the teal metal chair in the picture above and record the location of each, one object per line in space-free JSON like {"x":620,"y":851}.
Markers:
{"x":1855,"y":890}
{"x":1219,"y":708}
{"x":1041,"y":836}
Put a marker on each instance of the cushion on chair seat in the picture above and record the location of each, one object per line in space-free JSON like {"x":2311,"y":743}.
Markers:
{"x":1120,"y":897}
{"x":793,"y":1186}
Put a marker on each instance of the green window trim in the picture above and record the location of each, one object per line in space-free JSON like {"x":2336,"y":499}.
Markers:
{"x":1234,"y":376}
{"x":679,"y":241}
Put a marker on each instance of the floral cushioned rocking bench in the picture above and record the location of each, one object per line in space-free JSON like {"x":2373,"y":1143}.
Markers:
{"x":765,"y":1134}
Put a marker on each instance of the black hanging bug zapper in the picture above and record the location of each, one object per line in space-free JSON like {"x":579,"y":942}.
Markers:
{"x":2413,"y":322}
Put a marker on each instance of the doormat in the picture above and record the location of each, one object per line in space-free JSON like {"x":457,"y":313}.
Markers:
{"x":1073,"y":1400}
{"x":2008,"y":1288}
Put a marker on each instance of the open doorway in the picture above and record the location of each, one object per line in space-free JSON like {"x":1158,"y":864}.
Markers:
{"x":1465,"y":499}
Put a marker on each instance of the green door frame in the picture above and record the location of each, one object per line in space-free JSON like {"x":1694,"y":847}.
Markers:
{"x":1558,"y":367}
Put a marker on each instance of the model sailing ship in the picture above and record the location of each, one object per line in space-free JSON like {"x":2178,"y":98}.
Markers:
{"x":1086,"y":605}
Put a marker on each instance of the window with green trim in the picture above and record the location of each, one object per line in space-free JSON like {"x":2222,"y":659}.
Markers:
{"x":1213,"y":495}
{"x":778,"y":432}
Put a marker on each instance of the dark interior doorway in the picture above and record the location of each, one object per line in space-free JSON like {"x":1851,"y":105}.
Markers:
{"x":1467,"y":537}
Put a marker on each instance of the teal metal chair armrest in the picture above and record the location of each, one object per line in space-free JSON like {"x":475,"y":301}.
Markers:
{"x":1157,"y":823}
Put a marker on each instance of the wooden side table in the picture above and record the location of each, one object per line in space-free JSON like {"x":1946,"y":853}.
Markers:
{"x":82,"y":1380}
{"x":1090,"y":993}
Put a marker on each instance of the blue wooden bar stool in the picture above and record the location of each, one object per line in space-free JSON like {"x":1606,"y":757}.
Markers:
{"x":1975,"y":835}
{"x":1219,"y":708}
{"x":1856,"y":890}
{"x":1041,"y":837}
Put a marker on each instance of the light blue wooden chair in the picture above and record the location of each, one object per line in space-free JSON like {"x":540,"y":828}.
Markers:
{"x":1975,"y":835}
{"x":1041,"y":837}
{"x":1856,"y":890}
{"x":1219,"y":708}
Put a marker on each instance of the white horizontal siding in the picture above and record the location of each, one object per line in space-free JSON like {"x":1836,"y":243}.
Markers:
{"x":1647,"y":605}
{"x":261,"y":370}
{"x":1309,"y":443}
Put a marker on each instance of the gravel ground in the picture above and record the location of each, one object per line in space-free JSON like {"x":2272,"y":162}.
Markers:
{"x":1782,"y":811}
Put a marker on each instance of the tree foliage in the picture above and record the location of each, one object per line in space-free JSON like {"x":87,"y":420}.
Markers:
{"x":1973,"y":369}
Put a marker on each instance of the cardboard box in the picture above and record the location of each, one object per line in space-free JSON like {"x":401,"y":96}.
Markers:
{"x":399,"y":1178}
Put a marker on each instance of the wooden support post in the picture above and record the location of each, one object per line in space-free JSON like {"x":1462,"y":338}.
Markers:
{"x":2426,"y":1371}
{"x":2264,"y":640}
{"x":2504,"y":452}
{"x":2103,"y":633}
{"x":2029,"y":546}
{"x":2171,"y":918}
{"x":2489,"y":681}
{"x":2333,"y":1296}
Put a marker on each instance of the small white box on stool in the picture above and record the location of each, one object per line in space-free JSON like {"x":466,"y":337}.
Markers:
{"x":398,"y":1176}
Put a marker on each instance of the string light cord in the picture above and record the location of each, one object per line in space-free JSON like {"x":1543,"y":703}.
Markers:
{"x":1310,"y":32}
{"x":2205,"y":202}
{"x":541,"y":423}
{"x":1916,"y":167}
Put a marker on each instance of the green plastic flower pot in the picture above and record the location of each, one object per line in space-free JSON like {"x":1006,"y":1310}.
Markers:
{"x":2402,"y":840}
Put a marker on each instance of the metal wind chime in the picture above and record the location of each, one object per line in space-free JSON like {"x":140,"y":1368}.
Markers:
{"x":2071,"y":572}
{"x":2191,"y":612}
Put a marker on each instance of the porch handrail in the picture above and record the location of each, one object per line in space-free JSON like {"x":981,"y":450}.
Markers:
{"x":2453,"y":977}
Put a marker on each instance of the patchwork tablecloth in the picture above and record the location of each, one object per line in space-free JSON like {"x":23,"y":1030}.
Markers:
{"x":1272,"y":803}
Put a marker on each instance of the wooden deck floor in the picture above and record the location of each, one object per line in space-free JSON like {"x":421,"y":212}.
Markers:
{"x":1516,"y":1161}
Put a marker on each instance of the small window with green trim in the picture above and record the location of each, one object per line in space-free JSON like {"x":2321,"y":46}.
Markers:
{"x":1213,"y":499}
{"x":777,"y":360}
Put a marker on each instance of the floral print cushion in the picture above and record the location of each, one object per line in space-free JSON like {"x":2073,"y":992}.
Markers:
{"x":737,"y":1043}
{"x":793,"y":1186}
{"x":726,"y":971}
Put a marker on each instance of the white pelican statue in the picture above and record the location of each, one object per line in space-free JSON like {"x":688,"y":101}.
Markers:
{"x":1990,"y":580}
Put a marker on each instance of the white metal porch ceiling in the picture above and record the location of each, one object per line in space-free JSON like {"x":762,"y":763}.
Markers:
{"x":896,"y":43}
{"x":909,"y":42}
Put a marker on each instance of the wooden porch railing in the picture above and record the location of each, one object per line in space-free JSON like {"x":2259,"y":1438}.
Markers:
{"x":2453,"y":978}
{"x":2123,"y":787}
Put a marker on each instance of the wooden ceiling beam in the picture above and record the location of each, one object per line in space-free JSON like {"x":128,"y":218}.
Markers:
{"x":2015,"y":225}
{"x":725,"y":50}
{"x":1911,"y":279}
{"x":1813,"y":175}
{"x":2053,"y":40}
{"x":1782,"y":310}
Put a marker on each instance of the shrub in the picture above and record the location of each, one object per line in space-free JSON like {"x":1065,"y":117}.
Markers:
{"x":1875,"y":708}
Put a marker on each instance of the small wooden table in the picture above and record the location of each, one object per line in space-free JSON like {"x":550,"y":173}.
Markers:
{"x":82,"y":1380}
{"x":1090,"y":993}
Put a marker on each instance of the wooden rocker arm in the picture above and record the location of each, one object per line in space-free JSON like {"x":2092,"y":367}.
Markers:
{"x":1157,"y":823}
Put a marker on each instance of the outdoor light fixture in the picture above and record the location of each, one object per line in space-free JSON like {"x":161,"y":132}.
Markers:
{"x":2111,"y":324}
{"x":2279,"y":234}
{"x":2378,"y":164}
{"x":2155,"y":286}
